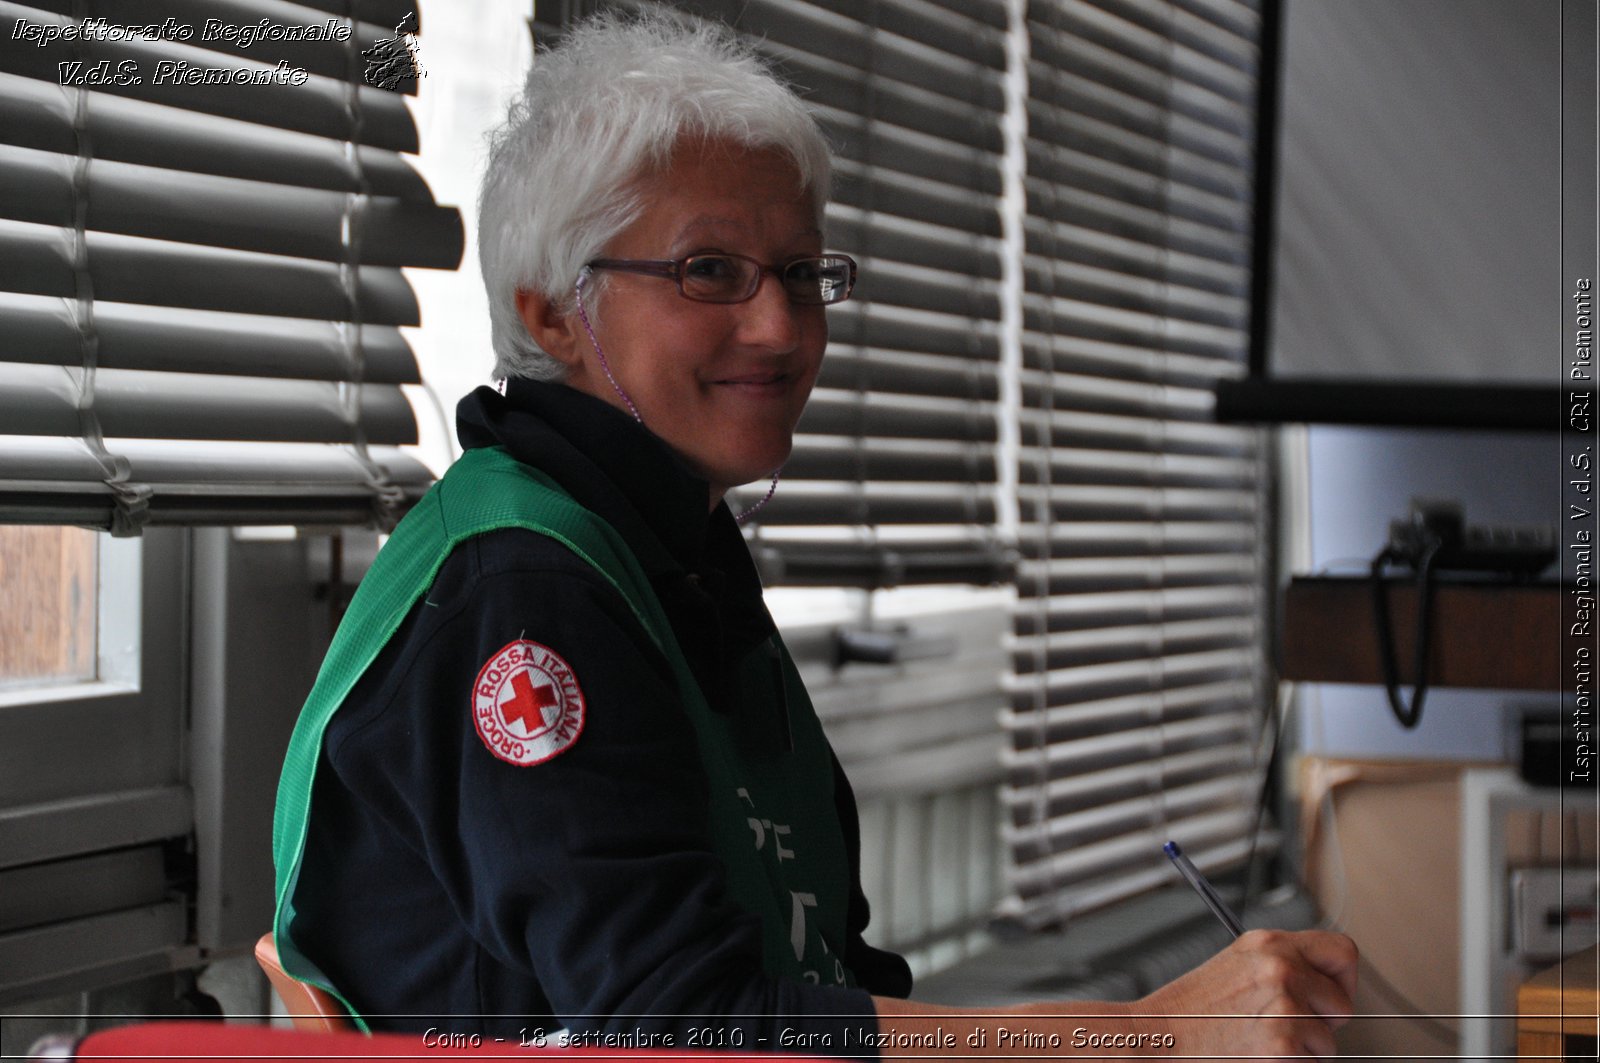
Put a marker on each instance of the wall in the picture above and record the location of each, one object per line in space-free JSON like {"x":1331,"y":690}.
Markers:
{"x":1357,"y":480}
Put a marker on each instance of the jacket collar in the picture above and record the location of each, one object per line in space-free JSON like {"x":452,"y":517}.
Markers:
{"x":625,"y":474}
{"x":608,"y":462}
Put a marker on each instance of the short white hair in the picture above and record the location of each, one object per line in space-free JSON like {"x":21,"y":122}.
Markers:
{"x":600,"y":111}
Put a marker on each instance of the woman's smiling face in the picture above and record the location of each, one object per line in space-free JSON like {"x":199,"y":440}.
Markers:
{"x":722,"y":384}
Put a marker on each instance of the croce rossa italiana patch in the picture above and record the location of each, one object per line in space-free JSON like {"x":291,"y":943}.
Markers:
{"x":526,"y":703}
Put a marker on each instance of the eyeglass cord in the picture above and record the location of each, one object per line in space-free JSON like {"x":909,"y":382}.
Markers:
{"x":583,"y":316}
{"x":772,"y":489}
{"x":583,"y":278}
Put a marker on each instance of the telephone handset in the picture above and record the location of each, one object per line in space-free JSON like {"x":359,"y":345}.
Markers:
{"x":1436,"y":538}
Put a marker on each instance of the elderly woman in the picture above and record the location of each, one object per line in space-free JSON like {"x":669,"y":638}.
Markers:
{"x":558,"y":770}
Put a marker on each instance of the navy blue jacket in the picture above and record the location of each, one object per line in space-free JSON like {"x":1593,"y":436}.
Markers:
{"x":444,"y":887}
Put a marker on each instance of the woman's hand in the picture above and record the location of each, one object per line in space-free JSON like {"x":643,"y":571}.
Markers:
{"x":1272,"y":993}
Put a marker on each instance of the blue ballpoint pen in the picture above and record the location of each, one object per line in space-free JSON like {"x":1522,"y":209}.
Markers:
{"x":1207,"y":892}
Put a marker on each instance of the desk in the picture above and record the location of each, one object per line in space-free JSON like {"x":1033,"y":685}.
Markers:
{"x":1556,"y":1004}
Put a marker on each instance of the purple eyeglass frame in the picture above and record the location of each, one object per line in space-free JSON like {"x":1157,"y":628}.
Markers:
{"x":673,"y":269}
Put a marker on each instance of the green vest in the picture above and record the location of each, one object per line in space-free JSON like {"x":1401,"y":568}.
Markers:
{"x":773,"y":821}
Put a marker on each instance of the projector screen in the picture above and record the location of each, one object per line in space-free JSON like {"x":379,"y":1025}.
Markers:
{"x":1420,"y":192}
{"x":1419,"y":196}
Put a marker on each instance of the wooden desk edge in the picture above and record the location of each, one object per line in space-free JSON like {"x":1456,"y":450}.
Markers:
{"x":1563,"y":999}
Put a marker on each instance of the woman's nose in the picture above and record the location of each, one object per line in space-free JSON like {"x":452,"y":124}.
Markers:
{"x":770,"y":320}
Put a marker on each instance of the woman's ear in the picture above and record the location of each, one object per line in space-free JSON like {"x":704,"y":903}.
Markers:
{"x":553,"y":329}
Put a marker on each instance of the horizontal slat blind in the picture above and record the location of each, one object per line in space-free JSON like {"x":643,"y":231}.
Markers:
{"x":318,"y":104}
{"x":1137,"y":661}
{"x":262,"y":216}
{"x":43,"y":330}
{"x":893,"y":476}
{"x":56,"y":481}
{"x":233,"y":28}
{"x":41,"y":114}
{"x":200,"y":283}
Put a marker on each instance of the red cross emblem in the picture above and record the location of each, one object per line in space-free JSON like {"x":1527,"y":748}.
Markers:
{"x":526,"y":703}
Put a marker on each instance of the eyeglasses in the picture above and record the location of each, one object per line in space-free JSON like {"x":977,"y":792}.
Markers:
{"x":811,"y":280}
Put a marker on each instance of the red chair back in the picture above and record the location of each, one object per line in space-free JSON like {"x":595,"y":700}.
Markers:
{"x":310,"y":1009}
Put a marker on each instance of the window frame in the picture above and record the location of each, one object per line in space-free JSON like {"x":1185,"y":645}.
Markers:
{"x":74,"y":736}
{"x":95,"y":771}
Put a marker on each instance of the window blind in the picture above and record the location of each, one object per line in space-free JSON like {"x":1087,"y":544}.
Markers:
{"x":1138,"y":672}
{"x":200,"y":283}
{"x":893,"y":476}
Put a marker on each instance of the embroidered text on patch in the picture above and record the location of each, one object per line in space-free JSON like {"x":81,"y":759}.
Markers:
{"x":526,"y":703}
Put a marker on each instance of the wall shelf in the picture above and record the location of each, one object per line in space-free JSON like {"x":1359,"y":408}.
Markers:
{"x":1488,"y":634}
